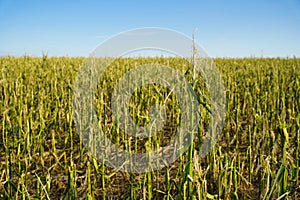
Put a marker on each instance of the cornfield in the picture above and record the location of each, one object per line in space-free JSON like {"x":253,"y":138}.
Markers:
{"x":256,"y":156}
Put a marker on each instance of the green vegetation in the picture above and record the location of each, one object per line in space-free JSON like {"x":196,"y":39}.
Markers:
{"x":256,"y":157}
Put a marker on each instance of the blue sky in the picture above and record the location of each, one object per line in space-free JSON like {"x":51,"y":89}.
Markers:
{"x":232,"y":28}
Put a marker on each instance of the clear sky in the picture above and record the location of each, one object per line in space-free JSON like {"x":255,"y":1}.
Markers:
{"x":225,"y":28}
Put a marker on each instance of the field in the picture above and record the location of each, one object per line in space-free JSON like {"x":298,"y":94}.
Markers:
{"x":256,"y":157}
